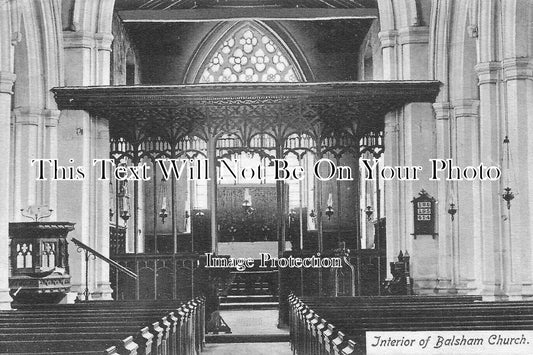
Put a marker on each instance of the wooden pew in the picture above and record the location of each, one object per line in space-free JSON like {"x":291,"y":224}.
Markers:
{"x":338,"y":326}
{"x":104,"y":326}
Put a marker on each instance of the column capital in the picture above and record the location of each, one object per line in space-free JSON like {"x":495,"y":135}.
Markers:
{"x":51,"y":117}
{"x":488,"y":72}
{"x":28,"y":115}
{"x":442,"y":110}
{"x":413,"y":35}
{"x":79,"y":39}
{"x":6,"y":82}
{"x":103,"y":41}
{"x":388,"y":38}
{"x":466,"y":108}
{"x":517,"y":68}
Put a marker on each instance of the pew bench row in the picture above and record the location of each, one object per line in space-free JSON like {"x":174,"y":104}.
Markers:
{"x":331,"y":326}
{"x":100,"y":328}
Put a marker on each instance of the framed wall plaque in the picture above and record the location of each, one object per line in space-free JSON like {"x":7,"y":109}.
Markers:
{"x":424,"y":214}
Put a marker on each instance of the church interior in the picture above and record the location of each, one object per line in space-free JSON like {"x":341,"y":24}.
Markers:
{"x":157,"y":151}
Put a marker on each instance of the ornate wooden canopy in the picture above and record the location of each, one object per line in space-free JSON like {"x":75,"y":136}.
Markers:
{"x":316,"y":109}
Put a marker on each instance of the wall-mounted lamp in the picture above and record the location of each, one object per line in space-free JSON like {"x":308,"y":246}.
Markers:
{"x":292,"y":216}
{"x":247,"y":203}
{"x":329,"y":210}
{"x":452,"y":210}
{"x":125,"y":211}
{"x":508,"y":196}
{"x":369,"y":211}
{"x":163,"y":212}
{"x":111,"y":200}
{"x":124,"y":206}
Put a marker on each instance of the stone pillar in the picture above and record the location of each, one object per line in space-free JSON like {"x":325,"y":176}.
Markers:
{"x":388,"y":47}
{"x":518,"y":81}
{"x":417,"y":137}
{"x":391,"y":187}
{"x":103,"y":57}
{"x":101,"y":211}
{"x":102,"y":140}
{"x":6,"y":86}
{"x":84,"y":138}
{"x":443,"y":113}
{"x":490,"y":148}
{"x":51,"y":121}
{"x":212,"y":190}
{"x":391,"y":157}
{"x":27,"y":144}
{"x":467,"y":220}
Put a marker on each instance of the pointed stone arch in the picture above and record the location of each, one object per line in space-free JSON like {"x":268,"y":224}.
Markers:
{"x":247,"y":51}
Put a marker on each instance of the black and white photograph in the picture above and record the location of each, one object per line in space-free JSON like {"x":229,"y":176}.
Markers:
{"x":266,"y":177}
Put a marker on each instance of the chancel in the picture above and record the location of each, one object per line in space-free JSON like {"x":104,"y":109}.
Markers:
{"x":351,"y":173}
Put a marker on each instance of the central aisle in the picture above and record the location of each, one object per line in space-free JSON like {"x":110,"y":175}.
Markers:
{"x":253,"y":332}
{"x":248,"y":348}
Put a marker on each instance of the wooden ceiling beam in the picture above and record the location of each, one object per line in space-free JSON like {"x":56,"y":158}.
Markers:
{"x":228,"y":14}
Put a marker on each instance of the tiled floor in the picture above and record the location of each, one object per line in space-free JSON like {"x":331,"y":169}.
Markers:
{"x":248,"y":349}
{"x":251,"y":322}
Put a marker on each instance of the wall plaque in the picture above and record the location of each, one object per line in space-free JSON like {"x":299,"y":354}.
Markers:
{"x":424,"y":214}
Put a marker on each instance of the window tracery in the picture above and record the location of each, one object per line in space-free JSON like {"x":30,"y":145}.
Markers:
{"x":249,"y":55}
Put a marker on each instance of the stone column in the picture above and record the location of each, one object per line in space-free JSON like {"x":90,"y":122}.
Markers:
{"x":103,"y":57}
{"x":443,"y":112}
{"x":84,"y":138}
{"x":490,"y":148}
{"x":51,"y":121}
{"x":27,"y":147}
{"x":101,"y":211}
{"x":467,"y":220}
{"x":6,"y":86}
{"x":391,"y":187}
{"x":417,"y":130}
{"x":392,"y":206}
{"x":212,"y":190}
{"x":518,"y":81}
{"x":388,"y":48}
{"x":102,"y":151}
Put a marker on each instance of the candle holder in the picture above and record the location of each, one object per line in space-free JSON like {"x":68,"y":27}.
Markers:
{"x":452,"y":210}
{"x":508,"y":196}
{"x":163,"y":215}
{"x":329,"y":212}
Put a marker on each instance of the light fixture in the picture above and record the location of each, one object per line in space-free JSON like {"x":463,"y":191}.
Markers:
{"x":163,"y":214}
{"x":124,"y":201}
{"x":369,"y":211}
{"x":111,"y":201}
{"x":247,"y":203}
{"x":508,"y":195}
{"x":452,"y":210}
{"x":125,"y":211}
{"x":329,"y":210}
{"x":36,"y":212}
{"x":292,"y":216}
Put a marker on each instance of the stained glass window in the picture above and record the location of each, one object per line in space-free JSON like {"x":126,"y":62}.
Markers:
{"x":249,"y":55}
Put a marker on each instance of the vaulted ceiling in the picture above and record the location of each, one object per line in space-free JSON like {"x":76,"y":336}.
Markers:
{"x":206,"y":4}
